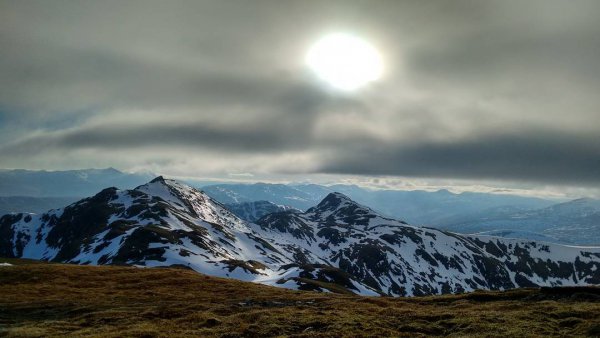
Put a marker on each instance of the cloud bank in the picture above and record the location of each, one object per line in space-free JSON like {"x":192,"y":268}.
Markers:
{"x":471,"y":90}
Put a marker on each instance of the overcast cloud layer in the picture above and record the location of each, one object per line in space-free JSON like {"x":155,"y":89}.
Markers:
{"x":471,"y":90}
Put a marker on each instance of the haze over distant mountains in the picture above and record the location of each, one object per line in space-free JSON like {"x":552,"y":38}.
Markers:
{"x":68,"y":183}
{"x":415,"y":206}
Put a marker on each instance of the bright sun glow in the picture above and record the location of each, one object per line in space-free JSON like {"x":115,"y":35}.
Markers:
{"x":344,"y":61}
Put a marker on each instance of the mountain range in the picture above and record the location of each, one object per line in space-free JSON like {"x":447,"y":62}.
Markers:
{"x":67,"y":183}
{"x":574,"y":222}
{"x":337,"y":245}
{"x":415,"y":206}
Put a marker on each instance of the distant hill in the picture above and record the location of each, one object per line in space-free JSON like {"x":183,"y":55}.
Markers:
{"x":279,"y":194}
{"x":17,"y":204}
{"x":69,"y":183}
{"x":576,"y":221}
{"x":253,"y":211}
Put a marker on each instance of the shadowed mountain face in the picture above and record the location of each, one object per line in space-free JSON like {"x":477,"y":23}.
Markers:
{"x":338,"y":245}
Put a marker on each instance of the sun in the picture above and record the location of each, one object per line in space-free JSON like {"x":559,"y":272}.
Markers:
{"x":344,"y":61}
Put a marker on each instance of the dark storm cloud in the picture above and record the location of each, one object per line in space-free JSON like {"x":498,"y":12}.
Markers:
{"x":542,"y":156}
{"x":485,"y":89}
{"x":255,"y":138}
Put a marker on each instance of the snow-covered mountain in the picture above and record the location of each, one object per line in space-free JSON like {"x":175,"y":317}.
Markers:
{"x":161,"y":223}
{"x":253,"y":211}
{"x":338,"y":245}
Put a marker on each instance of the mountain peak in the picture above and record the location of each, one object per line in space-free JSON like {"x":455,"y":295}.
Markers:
{"x":341,"y":208}
{"x":168,"y":190}
{"x":334,"y":201}
{"x":158,"y":179}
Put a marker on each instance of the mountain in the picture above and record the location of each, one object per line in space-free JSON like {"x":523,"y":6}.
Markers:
{"x":252,"y":211}
{"x":161,"y":223}
{"x":576,"y":221}
{"x":70,"y":183}
{"x":337,"y":245}
{"x":397,"y":259}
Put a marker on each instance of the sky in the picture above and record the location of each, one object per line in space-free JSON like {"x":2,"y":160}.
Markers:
{"x":495,"y":94}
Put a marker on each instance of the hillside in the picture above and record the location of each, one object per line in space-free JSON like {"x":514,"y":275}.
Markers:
{"x":337,"y":245}
{"x":55,"y":300}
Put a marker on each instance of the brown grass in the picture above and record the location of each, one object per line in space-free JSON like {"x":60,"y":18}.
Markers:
{"x":56,"y":300}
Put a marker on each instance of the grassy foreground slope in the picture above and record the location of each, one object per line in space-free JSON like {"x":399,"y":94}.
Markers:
{"x":56,"y":300}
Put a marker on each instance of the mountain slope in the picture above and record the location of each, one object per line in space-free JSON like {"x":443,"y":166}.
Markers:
{"x":338,"y":245}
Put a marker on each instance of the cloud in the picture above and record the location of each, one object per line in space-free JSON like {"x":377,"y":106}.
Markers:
{"x":536,"y":157}
{"x":485,"y":90}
